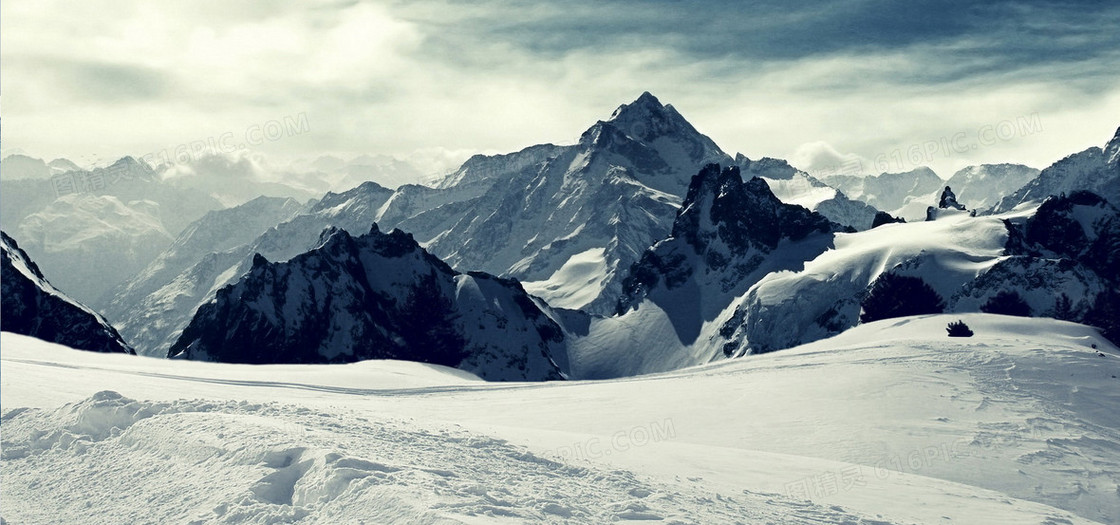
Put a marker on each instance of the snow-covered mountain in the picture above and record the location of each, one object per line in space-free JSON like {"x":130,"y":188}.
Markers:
{"x":32,"y":306}
{"x":156,"y":304}
{"x":723,"y":233}
{"x":1064,"y":262}
{"x":981,"y":187}
{"x":568,"y":220}
{"x":794,"y":186}
{"x":693,"y":302}
{"x":89,"y":243}
{"x":217,"y":231}
{"x":1095,"y":169}
{"x":23,"y":167}
{"x":375,"y":296}
{"x":727,"y":235}
{"x":570,"y":225}
{"x":903,"y":195}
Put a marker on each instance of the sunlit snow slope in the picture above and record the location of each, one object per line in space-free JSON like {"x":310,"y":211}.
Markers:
{"x":890,"y":422}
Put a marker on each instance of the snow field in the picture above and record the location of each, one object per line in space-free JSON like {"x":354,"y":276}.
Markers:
{"x":890,"y":422}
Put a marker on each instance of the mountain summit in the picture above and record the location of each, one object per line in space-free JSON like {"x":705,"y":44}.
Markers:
{"x":377,"y":296}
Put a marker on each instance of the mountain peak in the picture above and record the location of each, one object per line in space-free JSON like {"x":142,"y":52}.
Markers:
{"x":742,"y":213}
{"x":1112,"y":149}
{"x":645,"y":103}
{"x":643,"y":108}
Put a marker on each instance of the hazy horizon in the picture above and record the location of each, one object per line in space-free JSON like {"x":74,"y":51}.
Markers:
{"x":842,"y":87}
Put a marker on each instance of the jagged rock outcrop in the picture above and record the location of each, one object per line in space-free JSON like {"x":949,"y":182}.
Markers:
{"x":723,"y":232}
{"x":377,"y":296}
{"x":31,"y":306}
{"x":949,"y":200}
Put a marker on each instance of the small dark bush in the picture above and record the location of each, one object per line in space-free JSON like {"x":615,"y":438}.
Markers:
{"x":1007,"y":303}
{"x":899,"y":296}
{"x":959,"y":329}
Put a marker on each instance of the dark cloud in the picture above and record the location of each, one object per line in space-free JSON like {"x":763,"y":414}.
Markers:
{"x":112,"y":82}
{"x":949,"y":40}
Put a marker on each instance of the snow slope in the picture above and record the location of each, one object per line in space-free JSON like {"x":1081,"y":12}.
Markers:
{"x":794,"y":186}
{"x":1095,"y":169}
{"x":900,"y":194}
{"x":981,"y":187}
{"x":90,"y":243}
{"x":813,"y":288}
{"x":891,"y":422}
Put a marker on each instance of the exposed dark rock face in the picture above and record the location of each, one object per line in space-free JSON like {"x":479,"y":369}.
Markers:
{"x":31,"y":306}
{"x":725,"y":226}
{"x":377,"y":296}
{"x":883,"y":217}
{"x":949,"y":200}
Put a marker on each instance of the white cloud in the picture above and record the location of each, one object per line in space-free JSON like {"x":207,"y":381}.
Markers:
{"x":396,"y":79}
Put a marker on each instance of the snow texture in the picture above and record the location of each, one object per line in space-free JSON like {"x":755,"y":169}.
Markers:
{"x":894,"y":423}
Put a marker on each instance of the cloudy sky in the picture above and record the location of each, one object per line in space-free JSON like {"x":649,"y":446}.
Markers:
{"x":833,"y":86}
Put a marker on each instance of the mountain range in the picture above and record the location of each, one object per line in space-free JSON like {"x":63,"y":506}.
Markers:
{"x":643,"y":247}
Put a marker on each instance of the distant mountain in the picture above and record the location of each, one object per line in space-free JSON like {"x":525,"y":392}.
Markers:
{"x":151,"y":308}
{"x":33,"y":307}
{"x":217,"y":231}
{"x":332,"y":173}
{"x":62,"y":166}
{"x":89,"y":243}
{"x":904,"y":194}
{"x":127,"y":179}
{"x":375,"y":296}
{"x":604,"y":200}
{"x":981,"y":187}
{"x":794,"y":186}
{"x":1095,"y":169}
{"x":235,"y":178}
{"x":20,"y":167}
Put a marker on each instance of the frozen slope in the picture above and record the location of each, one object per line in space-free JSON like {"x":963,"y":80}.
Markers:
{"x":891,"y":422}
{"x":813,"y":288}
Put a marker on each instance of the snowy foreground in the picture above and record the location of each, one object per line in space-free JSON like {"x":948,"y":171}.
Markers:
{"x":891,"y":422}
